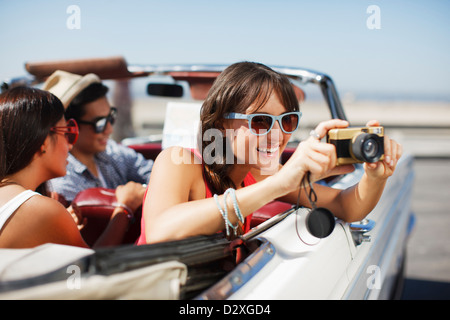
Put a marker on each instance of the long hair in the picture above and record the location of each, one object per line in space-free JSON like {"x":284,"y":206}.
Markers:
{"x":235,"y":89}
{"x":26,"y":116}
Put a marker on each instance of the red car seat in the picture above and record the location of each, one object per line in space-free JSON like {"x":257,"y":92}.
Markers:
{"x":97,"y":205}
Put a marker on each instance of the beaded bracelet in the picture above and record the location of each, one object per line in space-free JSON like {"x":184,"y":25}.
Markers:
{"x":224,"y":212}
{"x":224,"y":215}
{"x":237,"y":210}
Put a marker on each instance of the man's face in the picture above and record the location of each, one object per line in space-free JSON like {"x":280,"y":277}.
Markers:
{"x":90,"y":142}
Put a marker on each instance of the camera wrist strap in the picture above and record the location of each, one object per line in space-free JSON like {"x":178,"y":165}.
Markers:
{"x":311,"y":194}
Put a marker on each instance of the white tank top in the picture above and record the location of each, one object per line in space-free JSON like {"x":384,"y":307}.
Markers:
{"x":12,"y":205}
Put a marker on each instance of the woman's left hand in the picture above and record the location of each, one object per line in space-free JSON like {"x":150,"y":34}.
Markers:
{"x":392,"y":153}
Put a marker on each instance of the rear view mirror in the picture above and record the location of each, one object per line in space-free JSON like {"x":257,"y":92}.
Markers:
{"x":165,"y":90}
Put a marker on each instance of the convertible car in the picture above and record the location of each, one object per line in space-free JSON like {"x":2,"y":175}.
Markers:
{"x":281,"y":257}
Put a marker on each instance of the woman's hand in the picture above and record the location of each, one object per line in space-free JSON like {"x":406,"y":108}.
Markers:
{"x":323,"y":155}
{"x":130,"y":194}
{"x":319,"y":158}
{"x":392,"y":153}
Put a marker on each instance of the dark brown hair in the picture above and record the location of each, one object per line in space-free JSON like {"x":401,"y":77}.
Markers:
{"x":76,"y":109}
{"x":235,"y":89}
{"x":26,"y":116}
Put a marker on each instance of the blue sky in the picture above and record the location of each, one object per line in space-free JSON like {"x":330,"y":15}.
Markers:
{"x":407,"y":57}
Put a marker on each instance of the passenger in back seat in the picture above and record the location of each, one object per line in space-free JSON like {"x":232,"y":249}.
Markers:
{"x":35,"y":140}
{"x":96,"y":160}
{"x":247,"y":119}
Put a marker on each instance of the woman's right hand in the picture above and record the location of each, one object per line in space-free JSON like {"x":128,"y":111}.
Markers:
{"x":314,"y":156}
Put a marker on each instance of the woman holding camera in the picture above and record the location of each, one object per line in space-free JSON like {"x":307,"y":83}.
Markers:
{"x":247,"y":120}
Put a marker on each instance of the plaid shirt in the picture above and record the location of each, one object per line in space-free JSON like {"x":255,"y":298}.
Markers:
{"x":118,"y":165}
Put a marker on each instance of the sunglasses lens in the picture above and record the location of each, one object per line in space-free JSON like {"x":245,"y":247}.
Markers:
{"x":112,"y":116}
{"x":290,"y":122}
{"x":261,"y":124}
{"x":100,"y":125}
{"x":71,"y":138}
{"x":70,"y":131}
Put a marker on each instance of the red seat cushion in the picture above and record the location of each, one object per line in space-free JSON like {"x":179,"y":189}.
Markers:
{"x":268,"y":211}
{"x":97,"y":205}
{"x":148,"y":150}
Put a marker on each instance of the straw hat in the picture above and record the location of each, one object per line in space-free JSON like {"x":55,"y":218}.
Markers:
{"x":66,"y":86}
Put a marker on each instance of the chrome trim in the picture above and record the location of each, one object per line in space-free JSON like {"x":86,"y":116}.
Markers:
{"x":250,"y":266}
{"x":363,"y":226}
{"x":267,"y":224}
{"x":325,"y":83}
{"x":411,"y":224}
{"x":243,"y":273}
{"x":305,"y":74}
{"x":161,"y":69}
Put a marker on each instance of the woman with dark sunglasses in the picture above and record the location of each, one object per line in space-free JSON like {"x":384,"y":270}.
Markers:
{"x":35,"y":141}
{"x":246,"y":121}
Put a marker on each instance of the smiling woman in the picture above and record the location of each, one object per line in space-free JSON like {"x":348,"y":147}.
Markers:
{"x":253,"y":110}
{"x":253,"y":88}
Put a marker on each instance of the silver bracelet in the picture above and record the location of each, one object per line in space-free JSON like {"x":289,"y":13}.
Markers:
{"x":237,"y":210}
{"x":224,"y":215}
{"x":224,"y":211}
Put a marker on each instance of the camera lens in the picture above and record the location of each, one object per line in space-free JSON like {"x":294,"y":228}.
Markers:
{"x":368,"y":147}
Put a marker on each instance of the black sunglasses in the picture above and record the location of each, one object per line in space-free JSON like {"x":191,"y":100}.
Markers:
{"x":99,"y":124}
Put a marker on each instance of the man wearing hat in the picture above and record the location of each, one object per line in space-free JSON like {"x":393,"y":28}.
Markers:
{"x":95,"y":160}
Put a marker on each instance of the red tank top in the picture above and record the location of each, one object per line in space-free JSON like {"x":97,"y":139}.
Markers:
{"x":249,"y":180}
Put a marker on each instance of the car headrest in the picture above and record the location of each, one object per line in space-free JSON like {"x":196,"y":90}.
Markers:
{"x":181,"y":124}
{"x":97,"y":205}
{"x":96,"y":201}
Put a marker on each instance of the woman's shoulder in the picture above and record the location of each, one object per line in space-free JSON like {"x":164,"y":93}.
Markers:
{"x":177,"y":168}
{"x":43,"y":220}
{"x":43,"y":208}
{"x":179,"y":156}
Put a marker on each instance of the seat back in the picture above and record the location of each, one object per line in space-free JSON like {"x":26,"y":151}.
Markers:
{"x":268,"y":211}
{"x":181,"y":124}
{"x":97,"y":206}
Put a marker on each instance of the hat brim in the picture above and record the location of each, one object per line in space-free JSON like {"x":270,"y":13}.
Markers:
{"x":66,"y":86}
